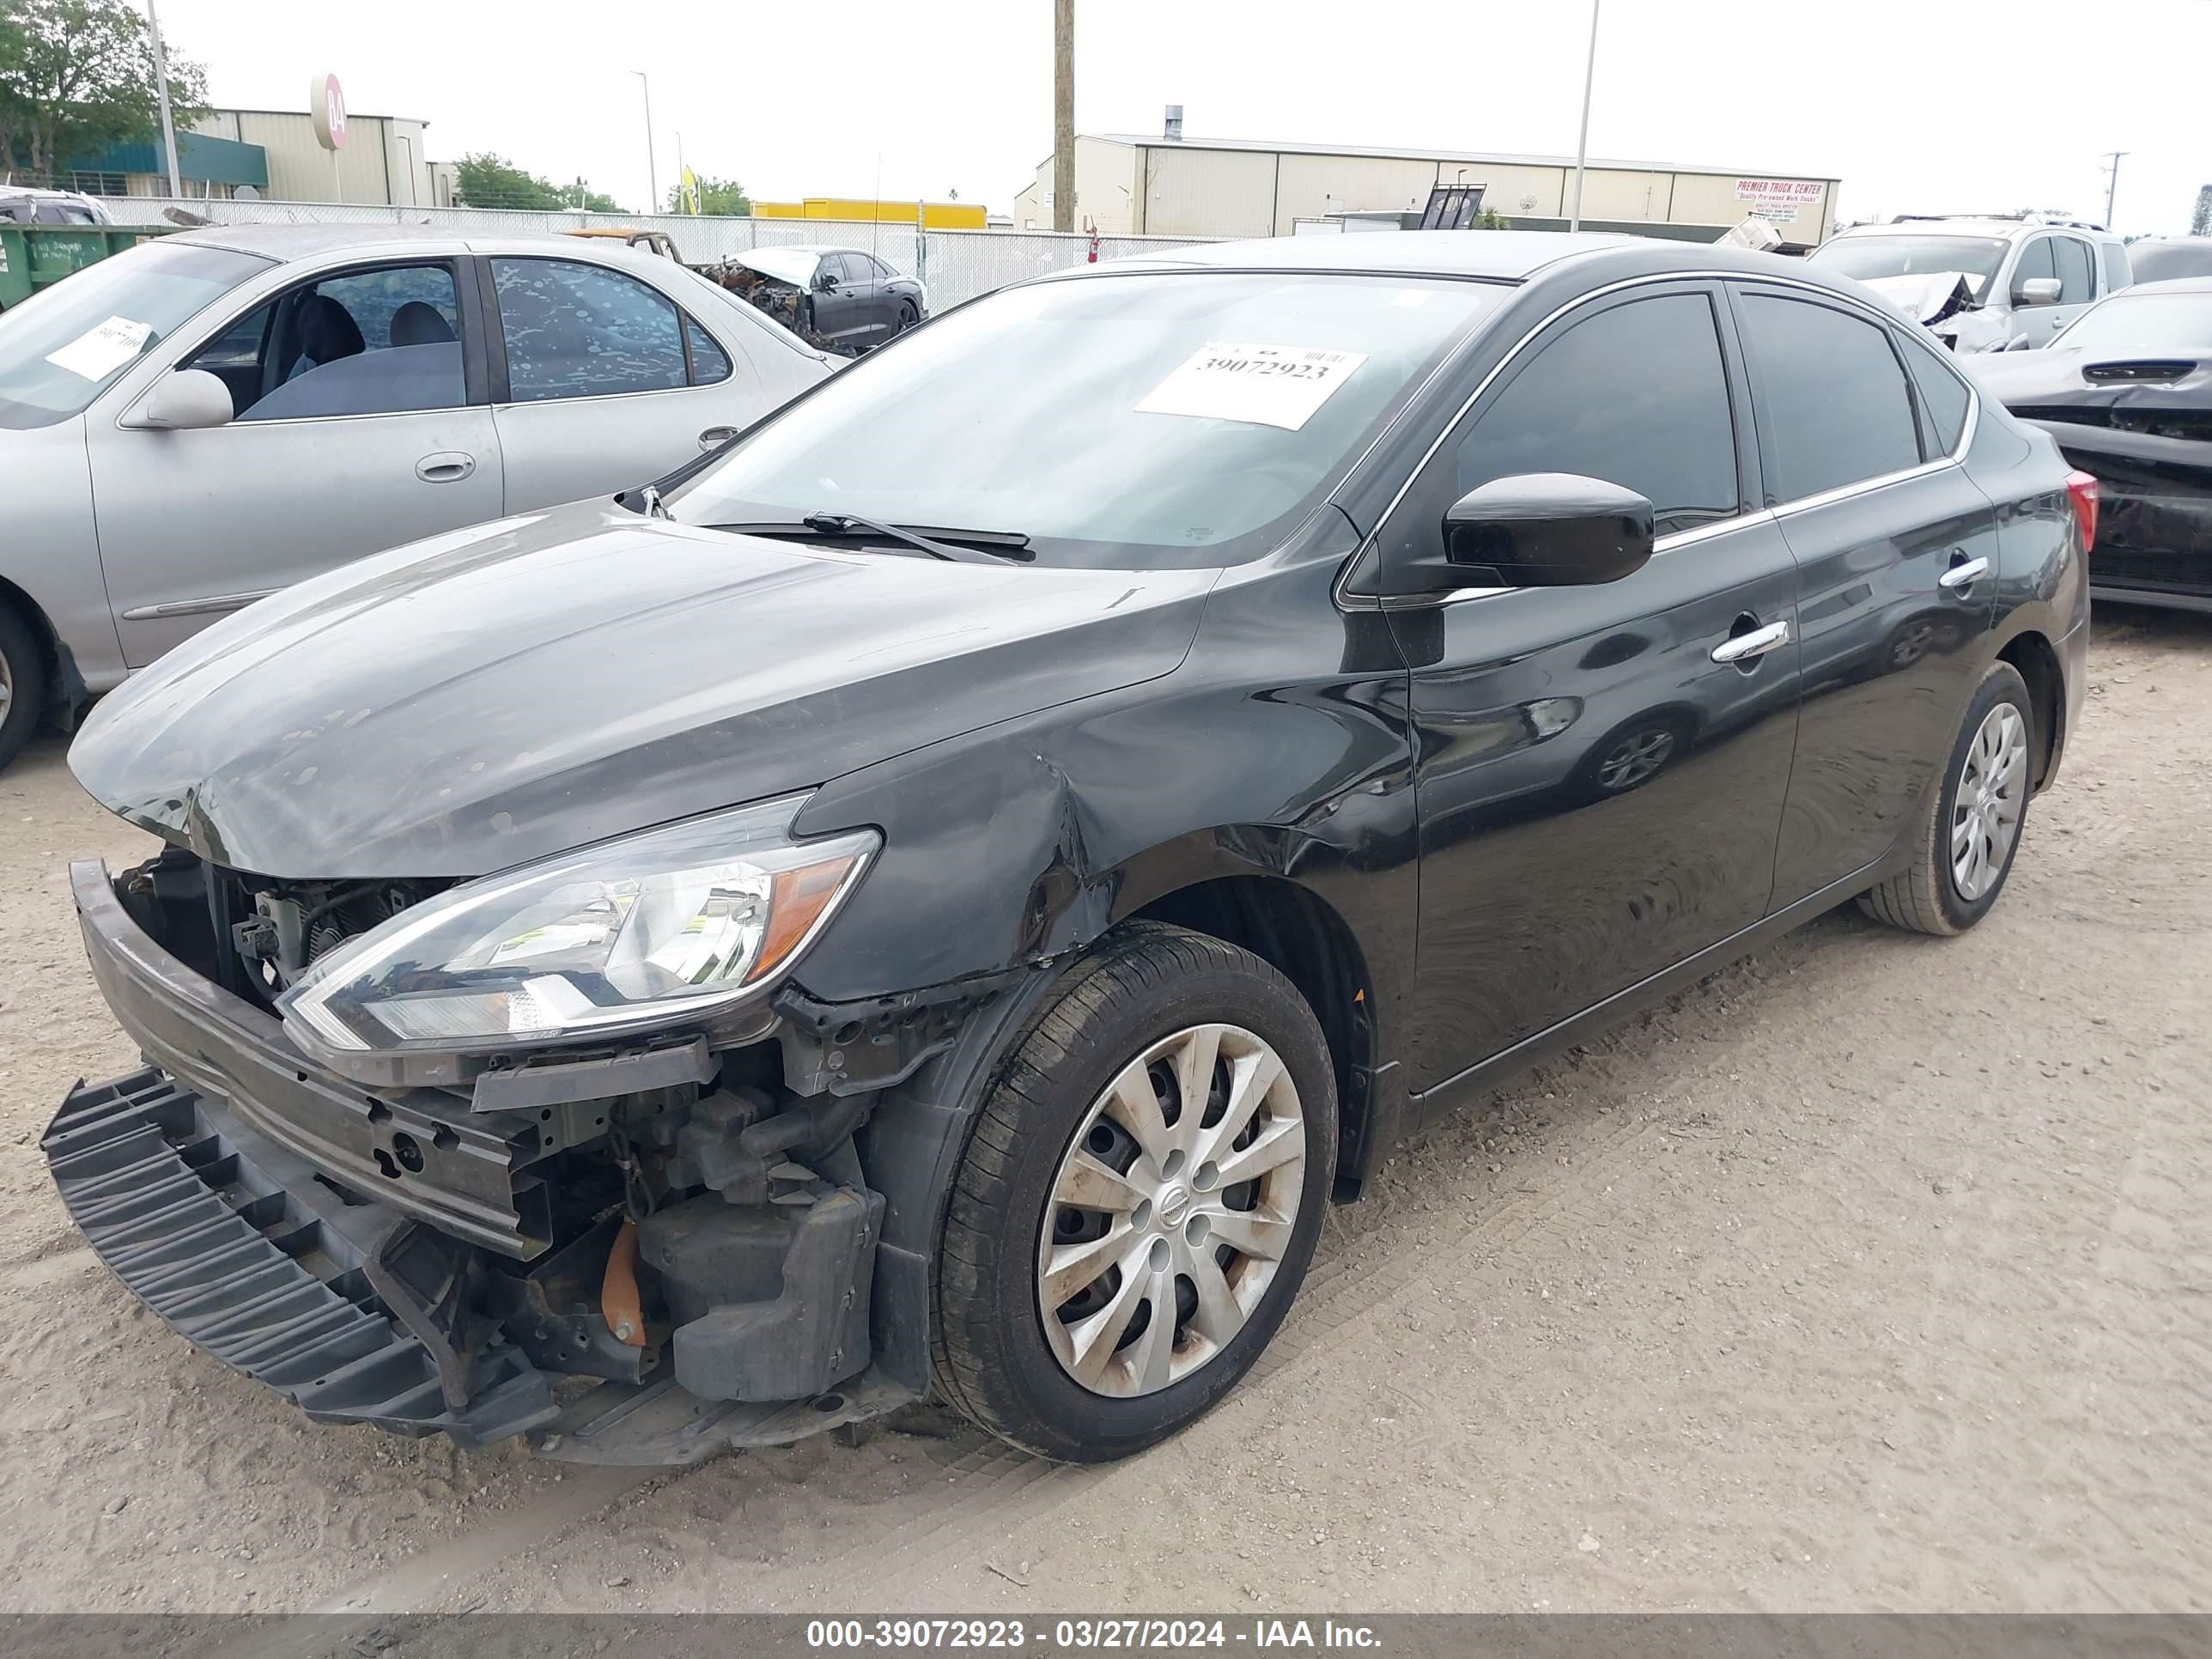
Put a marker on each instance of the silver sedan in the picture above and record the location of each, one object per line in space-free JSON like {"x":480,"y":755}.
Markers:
{"x":212,"y":416}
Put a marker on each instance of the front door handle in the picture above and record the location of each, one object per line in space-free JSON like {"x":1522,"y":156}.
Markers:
{"x":446,"y":466}
{"x":1742,"y":647}
{"x":715,"y":436}
{"x":1963,"y":575}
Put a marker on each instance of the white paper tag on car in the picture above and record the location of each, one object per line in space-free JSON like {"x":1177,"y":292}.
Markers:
{"x":1265,"y":384}
{"x":97,"y":352}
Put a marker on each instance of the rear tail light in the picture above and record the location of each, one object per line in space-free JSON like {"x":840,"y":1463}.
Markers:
{"x":2082,"y":490}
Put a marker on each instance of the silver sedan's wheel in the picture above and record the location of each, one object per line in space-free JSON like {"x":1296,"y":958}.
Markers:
{"x":1986,"y":804}
{"x":1172,"y":1208}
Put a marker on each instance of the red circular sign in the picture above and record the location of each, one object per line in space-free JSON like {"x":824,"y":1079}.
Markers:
{"x":328,"y":109}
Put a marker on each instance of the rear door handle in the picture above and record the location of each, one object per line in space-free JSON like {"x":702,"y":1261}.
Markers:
{"x":1757,"y":643}
{"x":446,"y":466}
{"x":1963,"y":575}
{"x":715,"y":435}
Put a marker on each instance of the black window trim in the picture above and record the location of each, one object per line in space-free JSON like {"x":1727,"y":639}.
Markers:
{"x":475,"y":380}
{"x":495,"y":333}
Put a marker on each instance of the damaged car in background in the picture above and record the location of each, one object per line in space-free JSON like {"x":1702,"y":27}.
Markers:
{"x":836,"y":299}
{"x":2127,"y":391}
{"x":1982,"y":283}
{"x":941,"y":895}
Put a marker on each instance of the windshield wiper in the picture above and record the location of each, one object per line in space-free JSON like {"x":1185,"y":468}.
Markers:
{"x":964,"y":546}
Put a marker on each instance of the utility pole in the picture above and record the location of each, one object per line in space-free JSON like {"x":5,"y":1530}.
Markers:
{"x":1063,"y":114}
{"x":161,"y":88}
{"x":1581,"y":144}
{"x":652,"y":177}
{"x":2112,"y":188}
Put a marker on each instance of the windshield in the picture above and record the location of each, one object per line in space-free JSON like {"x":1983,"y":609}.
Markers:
{"x":2143,"y":322}
{"x":1156,"y":419}
{"x":1870,"y":257}
{"x":62,"y":346}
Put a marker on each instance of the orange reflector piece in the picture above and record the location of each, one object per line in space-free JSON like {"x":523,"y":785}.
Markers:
{"x":795,"y":904}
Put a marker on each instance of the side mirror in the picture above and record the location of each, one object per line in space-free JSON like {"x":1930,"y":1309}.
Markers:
{"x":1547,"y":530}
{"x":826,"y":280}
{"x":185,"y":399}
{"x":2037,"y":291}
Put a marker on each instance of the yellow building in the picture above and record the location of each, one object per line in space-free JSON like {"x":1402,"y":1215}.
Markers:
{"x":935,"y":215}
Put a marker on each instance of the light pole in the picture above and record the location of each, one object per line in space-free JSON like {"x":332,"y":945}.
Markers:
{"x":1582,"y":143}
{"x":161,"y":87}
{"x":2112,"y":189}
{"x":652,"y":177}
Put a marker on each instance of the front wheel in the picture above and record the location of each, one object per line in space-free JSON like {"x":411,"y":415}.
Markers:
{"x":1138,"y":1198}
{"x":22,"y":684}
{"x":1971,"y":830}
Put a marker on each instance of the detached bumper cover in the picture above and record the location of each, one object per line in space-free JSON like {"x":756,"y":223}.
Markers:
{"x":186,"y":1206}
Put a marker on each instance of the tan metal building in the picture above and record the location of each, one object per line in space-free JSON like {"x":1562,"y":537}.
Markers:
{"x":1128,"y":185}
{"x":383,"y":160}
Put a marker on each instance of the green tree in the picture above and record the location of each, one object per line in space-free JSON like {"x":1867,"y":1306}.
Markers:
{"x":581,"y":194}
{"x":724,"y":197}
{"x":77,"y":77}
{"x":485,"y":180}
{"x":1491,"y":219}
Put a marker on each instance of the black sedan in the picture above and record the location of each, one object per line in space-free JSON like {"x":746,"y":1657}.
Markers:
{"x":2127,"y":391}
{"x":839,"y":299}
{"x":944,"y":893}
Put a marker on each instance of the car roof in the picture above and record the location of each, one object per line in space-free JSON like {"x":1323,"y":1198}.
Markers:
{"x":1966,"y":225}
{"x":287,"y":243}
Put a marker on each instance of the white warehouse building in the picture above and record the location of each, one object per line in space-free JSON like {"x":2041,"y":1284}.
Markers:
{"x":1171,"y":185}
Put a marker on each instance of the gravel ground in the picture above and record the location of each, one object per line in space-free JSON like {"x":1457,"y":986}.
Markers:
{"x":1874,"y":1273}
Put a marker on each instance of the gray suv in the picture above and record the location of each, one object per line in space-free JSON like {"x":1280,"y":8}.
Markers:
{"x":1982,"y":283}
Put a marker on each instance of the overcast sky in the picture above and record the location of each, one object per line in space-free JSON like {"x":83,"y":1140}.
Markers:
{"x":1917,"y":106}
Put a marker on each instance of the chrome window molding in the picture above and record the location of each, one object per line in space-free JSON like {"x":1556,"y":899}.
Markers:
{"x":1769,"y":513}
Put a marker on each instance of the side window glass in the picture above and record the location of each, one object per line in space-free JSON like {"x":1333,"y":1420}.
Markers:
{"x":382,"y":342}
{"x":2035,"y":260}
{"x":879,"y":270}
{"x":2117,"y":274}
{"x":235,"y":357}
{"x":1832,"y":399}
{"x":2076,"y":285}
{"x":1943,"y":395}
{"x":710,"y":362}
{"x":1635,"y":395}
{"x":579,"y":331}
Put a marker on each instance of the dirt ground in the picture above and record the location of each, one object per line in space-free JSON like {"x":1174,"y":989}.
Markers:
{"x":1874,"y":1273}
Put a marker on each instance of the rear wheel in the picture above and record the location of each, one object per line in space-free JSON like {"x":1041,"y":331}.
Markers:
{"x":22,"y":684}
{"x":1971,"y":829}
{"x":1138,"y":1201}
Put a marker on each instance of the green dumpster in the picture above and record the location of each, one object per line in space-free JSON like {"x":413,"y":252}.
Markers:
{"x":32,"y":256}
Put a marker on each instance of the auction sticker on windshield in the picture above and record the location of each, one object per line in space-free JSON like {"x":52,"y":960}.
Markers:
{"x":1264,"y":385}
{"x":97,"y":352}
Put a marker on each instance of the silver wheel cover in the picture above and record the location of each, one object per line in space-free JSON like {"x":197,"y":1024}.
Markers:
{"x":1171,"y":1211}
{"x":1985,"y":807}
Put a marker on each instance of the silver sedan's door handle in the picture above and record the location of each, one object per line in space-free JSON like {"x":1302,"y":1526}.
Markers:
{"x":715,"y":436}
{"x":446,"y":466}
{"x":1757,"y":643}
{"x":1960,"y":577}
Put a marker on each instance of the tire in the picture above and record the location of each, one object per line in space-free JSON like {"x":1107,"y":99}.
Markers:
{"x":908,"y":318}
{"x":1928,"y":896}
{"x":22,"y":684}
{"x":1078,"y":1396}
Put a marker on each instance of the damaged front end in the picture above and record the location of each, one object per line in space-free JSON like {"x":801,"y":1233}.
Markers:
{"x":634,"y":1250}
{"x":780,"y":286}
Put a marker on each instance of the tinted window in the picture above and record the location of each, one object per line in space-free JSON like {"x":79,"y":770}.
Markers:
{"x":2076,"y":286}
{"x":878,"y":270}
{"x":2164,"y":262}
{"x":578,"y":331}
{"x":2118,"y":274}
{"x":1635,"y":395}
{"x":382,"y":342}
{"x":2035,"y":260}
{"x":710,"y":362}
{"x":1943,"y":395}
{"x":1870,"y":258}
{"x":1833,"y":401}
{"x":845,"y":267}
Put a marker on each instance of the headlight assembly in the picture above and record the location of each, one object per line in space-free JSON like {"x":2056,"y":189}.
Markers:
{"x":676,"y":924}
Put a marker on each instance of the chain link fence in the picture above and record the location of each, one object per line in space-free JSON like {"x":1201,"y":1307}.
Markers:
{"x":954,"y":264}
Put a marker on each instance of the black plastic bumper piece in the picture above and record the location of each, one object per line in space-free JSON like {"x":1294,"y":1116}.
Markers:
{"x":202,"y":1219}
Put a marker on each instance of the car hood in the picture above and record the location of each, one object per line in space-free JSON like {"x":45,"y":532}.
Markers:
{"x":1925,"y":297}
{"x":2058,"y":378}
{"x":534,"y":684}
{"x":785,"y":264}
